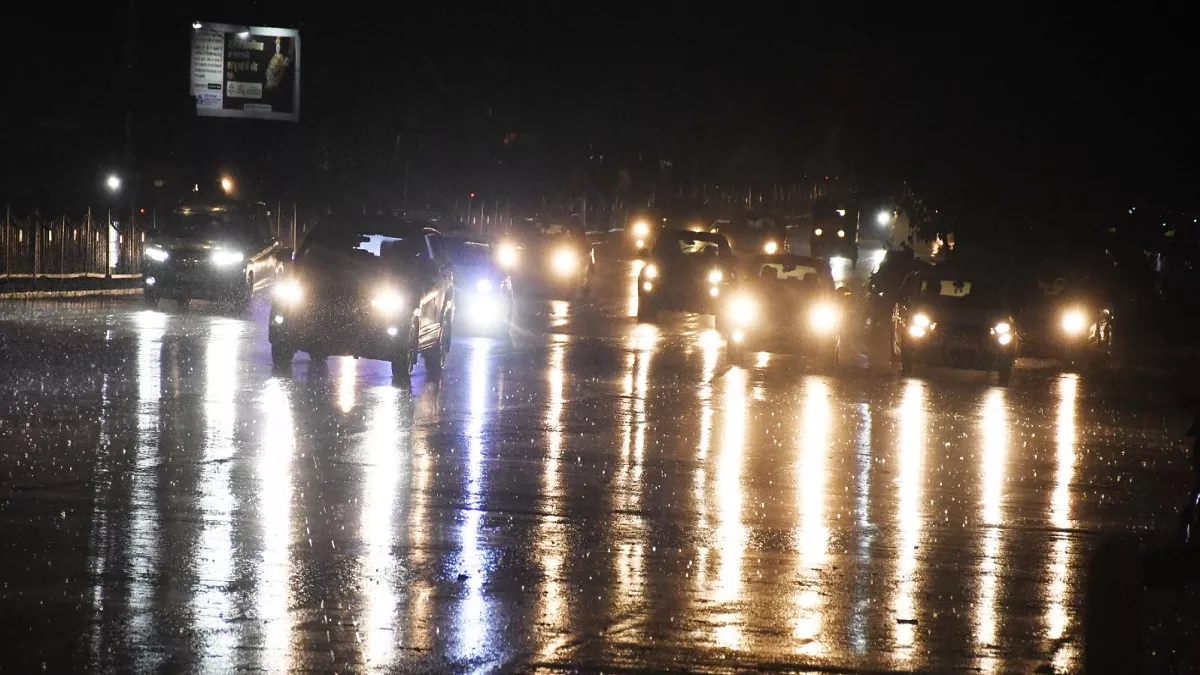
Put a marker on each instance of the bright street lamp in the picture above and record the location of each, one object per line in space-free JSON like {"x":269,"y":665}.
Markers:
{"x":113,"y":182}
{"x":883,"y":217}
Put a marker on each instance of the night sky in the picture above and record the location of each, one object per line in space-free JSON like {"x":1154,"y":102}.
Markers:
{"x":1045,"y":125}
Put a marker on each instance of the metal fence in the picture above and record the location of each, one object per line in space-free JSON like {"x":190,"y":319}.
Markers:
{"x":64,"y":247}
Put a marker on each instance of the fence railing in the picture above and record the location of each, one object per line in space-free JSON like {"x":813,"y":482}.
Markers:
{"x":68,"y":247}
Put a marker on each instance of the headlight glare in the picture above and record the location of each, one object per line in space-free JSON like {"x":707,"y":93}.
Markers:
{"x":223,"y":256}
{"x":289,"y":291}
{"x":921,"y":320}
{"x":507,"y":256}
{"x":823,"y":317}
{"x":641,"y":228}
{"x":565,"y":261}
{"x":1003,"y":328}
{"x":157,"y":254}
{"x":483,"y":286}
{"x":770,"y":248}
{"x":742,"y":310}
{"x":651,"y":271}
{"x":1074,"y":321}
{"x":715,"y":276}
{"x":388,"y":302}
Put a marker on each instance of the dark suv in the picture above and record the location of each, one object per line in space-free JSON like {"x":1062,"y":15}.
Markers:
{"x":376,"y":287}
{"x":686,"y":271}
{"x":220,"y":250}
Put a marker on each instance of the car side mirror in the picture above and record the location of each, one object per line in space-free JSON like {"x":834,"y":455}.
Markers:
{"x":283,"y":255}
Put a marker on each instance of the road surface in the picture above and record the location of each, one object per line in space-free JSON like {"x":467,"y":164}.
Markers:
{"x":596,"y":494}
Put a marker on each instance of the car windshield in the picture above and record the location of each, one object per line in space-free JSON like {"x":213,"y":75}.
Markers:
{"x":468,"y":252}
{"x":387,"y":241}
{"x":792,"y":274}
{"x":960,"y":293}
{"x":695,"y":245}
{"x":204,"y":222}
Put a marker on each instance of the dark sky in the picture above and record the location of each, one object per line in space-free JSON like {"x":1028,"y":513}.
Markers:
{"x":1043,"y":123}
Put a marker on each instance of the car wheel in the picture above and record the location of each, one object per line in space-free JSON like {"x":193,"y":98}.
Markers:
{"x":402,"y":365}
{"x":435,"y":357}
{"x":242,"y":302}
{"x":1004,"y":374}
{"x":646,"y":311}
{"x":281,"y":356}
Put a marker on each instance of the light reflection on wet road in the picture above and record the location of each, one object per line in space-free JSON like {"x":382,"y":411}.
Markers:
{"x":596,"y":493}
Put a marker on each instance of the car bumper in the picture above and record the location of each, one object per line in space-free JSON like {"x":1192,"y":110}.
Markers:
{"x":782,"y":338}
{"x":703,"y":299}
{"x":199,"y":282}
{"x":984,"y":351}
{"x":361,"y":335}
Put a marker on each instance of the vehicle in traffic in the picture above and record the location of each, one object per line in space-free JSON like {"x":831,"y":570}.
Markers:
{"x":686,"y":271}
{"x":647,"y":223}
{"x":483,"y":289}
{"x":376,"y":287}
{"x":752,"y":237}
{"x":220,"y":251}
{"x":834,"y":232}
{"x":554,"y":259}
{"x":789,"y":304}
{"x":950,"y":316}
{"x":1065,"y":317}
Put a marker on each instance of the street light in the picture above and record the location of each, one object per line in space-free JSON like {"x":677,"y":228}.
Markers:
{"x":227,"y":184}
{"x":883,"y":218}
{"x":113,"y":182}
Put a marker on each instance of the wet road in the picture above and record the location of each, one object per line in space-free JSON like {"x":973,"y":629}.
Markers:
{"x":597,"y":493}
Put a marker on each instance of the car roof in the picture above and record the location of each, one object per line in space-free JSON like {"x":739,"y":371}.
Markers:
{"x":382,"y":224}
{"x":699,"y":236}
{"x":791,"y":259}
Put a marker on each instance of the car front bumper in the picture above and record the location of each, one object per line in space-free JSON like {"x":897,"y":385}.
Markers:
{"x":197,"y":280}
{"x":337,"y":332}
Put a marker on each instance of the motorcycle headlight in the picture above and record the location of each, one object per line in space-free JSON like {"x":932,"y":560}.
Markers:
{"x":507,"y":256}
{"x":823,"y":318}
{"x":921,"y":320}
{"x":641,"y":228}
{"x":1002,"y":328}
{"x":223,"y":257}
{"x":770,"y":248}
{"x":156,"y":254}
{"x":388,"y":302}
{"x":289,"y":292}
{"x":742,"y":310}
{"x":715,"y":276}
{"x":565,"y":261}
{"x":651,"y":271}
{"x":818,"y":232}
{"x":1074,"y":321}
{"x":483,"y":286}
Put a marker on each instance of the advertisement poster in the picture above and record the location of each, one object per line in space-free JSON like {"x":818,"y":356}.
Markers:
{"x":246,"y":71}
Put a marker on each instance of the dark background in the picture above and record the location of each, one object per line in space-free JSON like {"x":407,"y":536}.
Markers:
{"x":1000,"y":123}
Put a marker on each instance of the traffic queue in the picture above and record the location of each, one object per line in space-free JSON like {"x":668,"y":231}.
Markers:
{"x":397,"y":288}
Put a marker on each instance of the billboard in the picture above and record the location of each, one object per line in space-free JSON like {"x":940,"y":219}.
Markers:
{"x":246,"y":71}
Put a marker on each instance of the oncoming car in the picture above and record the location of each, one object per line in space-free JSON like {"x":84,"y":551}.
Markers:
{"x":483,"y":290}
{"x":686,"y":271}
{"x":789,"y":304}
{"x":554,"y":259}
{"x":375,"y":287}
{"x":220,"y":251}
{"x":1065,"y":319}
{"x":950,"y":317}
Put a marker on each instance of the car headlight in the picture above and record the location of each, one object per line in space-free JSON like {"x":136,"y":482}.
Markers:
{"x":565,"y":261}
{"x":641,"y":228}
{"x":1002,"y":328}
{"x":715,"y":276}
{"x":770,"y":248}
{"x":818,"y":232}
{"x":289,"y":292}
{"x":388,"y":302}
{"x":823,"y":317}
{"x":483,"y":286}
{"x":651,"y":271}
{"x":841,"y":233}
{"x":742,"y":310}
{"x":921,"y":320}
{"x":223,"y":257}
{"x":1074,"y":321}
{"x":916,"y":331}
{"x":156,"y":254}
{"x":507,"y":256}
